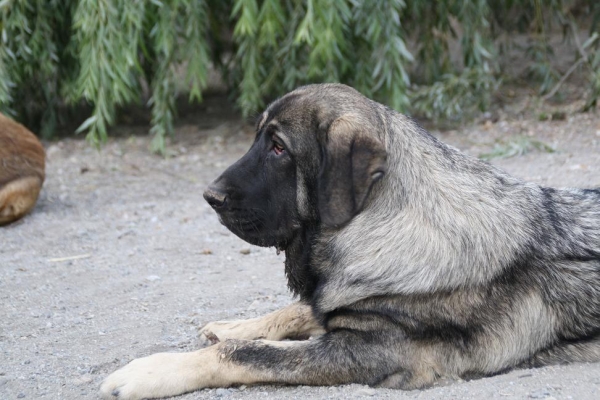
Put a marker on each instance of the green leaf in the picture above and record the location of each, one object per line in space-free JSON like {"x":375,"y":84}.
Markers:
{"x":86,"y":124}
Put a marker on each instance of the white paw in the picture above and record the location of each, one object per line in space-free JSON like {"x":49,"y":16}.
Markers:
{"x":159,"y":375}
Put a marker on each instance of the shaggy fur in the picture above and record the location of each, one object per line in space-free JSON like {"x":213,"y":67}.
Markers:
{"x":22,"y":161}
{"x":417,"y":261}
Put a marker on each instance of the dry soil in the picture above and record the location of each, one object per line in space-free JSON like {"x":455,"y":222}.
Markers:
{"x":123,"y":258}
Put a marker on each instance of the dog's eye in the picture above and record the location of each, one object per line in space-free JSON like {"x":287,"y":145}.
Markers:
{"x":278,"y":148}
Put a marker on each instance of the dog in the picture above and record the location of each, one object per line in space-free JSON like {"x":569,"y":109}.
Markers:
{"x":412,"y":261}
{"x":22,"y":170}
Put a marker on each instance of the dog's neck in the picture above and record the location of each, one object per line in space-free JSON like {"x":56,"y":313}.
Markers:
{"x":302,"y":279}
{"x":437,"y":221}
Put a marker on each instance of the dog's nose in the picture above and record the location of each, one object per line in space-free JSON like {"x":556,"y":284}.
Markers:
{"x":215,"y":198}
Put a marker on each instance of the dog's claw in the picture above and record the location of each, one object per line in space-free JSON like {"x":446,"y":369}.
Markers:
{"x":115,"y":393}
{"x":212,"y":337}
{"x":207,"y":338}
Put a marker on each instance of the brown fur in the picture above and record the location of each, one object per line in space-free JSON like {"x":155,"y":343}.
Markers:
{"x":292,"y":322}
{"x":22,"y":164}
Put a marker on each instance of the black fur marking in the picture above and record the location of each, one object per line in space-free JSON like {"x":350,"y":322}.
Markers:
{"x":549,"y":206}
{"x":302,"y":279}
{"x":416,"y":329}
{"x":359,"y":357}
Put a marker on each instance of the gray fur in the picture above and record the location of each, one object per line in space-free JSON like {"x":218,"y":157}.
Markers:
{"x":418,"y":261}
{"x":514,"y":265}
{"x":450,"y":267}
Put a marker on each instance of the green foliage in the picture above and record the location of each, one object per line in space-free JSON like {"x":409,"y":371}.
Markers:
{"x":34,"y":59}
{"x":540,"y":52}
{"x":114,"y":38}
{"x":455,"y":96}
{"x":107,"y":37}
{"x":441,"y":60}
{"x":516,"y":146}
{"x":284,"y":44}
{"x":594,"y":74}
{"x":248,"y":54}
{"x":384,"y":74}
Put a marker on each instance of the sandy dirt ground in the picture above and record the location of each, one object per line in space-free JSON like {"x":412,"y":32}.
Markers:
{"x":123,"y":258}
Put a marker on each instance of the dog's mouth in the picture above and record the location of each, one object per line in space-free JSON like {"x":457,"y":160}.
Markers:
{"x":252,"y":230}
{"x":248,"y":228}
{"x":241,"y":224}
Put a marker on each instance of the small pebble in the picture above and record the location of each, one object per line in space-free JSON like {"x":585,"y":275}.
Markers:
{"x":539,"y":394}
{"x":222,"y":392}
{"x":20,"y":395}
{"x":83,"y":380}
{"x":366,"y":392}
{"x":152,"y":278}
{"x":245,"y":251}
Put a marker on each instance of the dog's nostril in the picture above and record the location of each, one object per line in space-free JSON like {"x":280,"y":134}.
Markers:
{"x":214,"y":198}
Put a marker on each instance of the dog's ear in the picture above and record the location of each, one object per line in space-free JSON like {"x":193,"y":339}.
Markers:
{"x":352,"y":161}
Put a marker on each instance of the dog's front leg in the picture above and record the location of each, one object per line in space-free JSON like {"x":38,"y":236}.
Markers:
{"x":293,"y":321}
{"x":331,"y":359}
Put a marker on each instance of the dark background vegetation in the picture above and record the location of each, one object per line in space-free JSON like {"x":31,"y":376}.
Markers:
{"x":90,"y":61}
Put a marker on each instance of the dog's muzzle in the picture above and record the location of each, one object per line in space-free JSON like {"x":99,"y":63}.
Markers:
{"x":215,"y":198}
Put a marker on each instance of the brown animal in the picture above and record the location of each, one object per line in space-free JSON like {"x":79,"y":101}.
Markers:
{"x":22,"y":162}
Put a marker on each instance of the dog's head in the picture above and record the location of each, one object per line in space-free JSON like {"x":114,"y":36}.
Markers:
{"x":314,"y":160}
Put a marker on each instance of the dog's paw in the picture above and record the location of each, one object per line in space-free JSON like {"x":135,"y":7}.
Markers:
{"x":220,"y":331}
{"x":159,"y":375}
{"x":206,"y":336}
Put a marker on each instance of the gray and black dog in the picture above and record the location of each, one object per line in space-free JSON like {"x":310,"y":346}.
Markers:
{"x":412,"y":261}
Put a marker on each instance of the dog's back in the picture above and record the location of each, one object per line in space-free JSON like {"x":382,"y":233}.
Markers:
{"x":22,"y":162}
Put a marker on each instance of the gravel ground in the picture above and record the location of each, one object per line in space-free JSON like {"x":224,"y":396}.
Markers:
{"x":123,"y":258}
